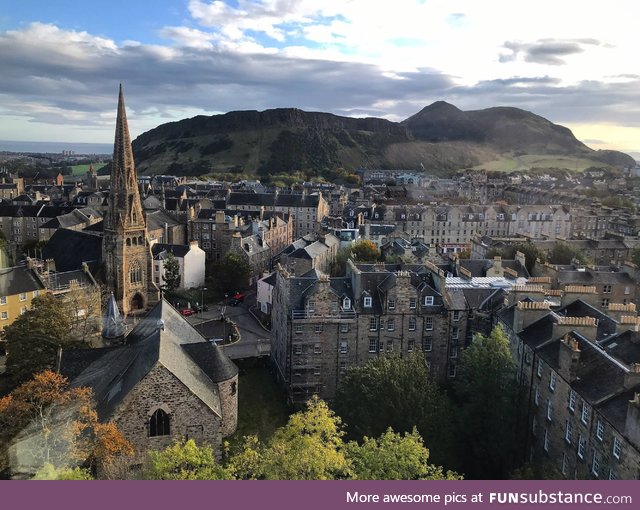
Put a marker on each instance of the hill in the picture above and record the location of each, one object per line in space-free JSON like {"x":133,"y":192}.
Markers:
{"x":440,"y":137}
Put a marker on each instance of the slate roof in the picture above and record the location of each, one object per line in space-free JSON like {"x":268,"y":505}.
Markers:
{"x":159,"y":338}
{"x":69,"y":249}
{"x":161,"y":250}
{"x":18,"y":279}
{"x":213,"y":362}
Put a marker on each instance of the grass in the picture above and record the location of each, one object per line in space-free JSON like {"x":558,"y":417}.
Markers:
{"x":510,"y":163}
{"x":83,"y":169}
{"x":262,"y":406}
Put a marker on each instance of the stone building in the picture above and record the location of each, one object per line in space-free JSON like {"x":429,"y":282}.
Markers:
{"x":126,"y":250}
{"x":166,"y":382}
{"x":579,"y":369}
{"x":322,"y":325}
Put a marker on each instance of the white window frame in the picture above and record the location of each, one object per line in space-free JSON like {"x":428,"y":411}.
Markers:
{"x":456,"y":315}
{"x":299,"y":328}
{"x":4,"y":315}
{"x":344,"y":347}
{"x":412,"y":323}
{"x":545,"y":443}
{"x":373,"y":344}
{"x":540,"y":369}
{"x":344,"y":328}
{"x":23,"y":296}
{"x":410,"y":345}
{"x":552,"y":381}
{"x":572,"y":400}
{"x":346,"y":303}
{"x":297,"y":349}
{"x":536,"y":395}
{"x":568,"y":432}
{"x":600,"y":429}
{"x":427,"y":347}
{"x":584,"y":416}
{"x":391,"y":324}
{"x":3,"y":300}
{"x":412,"y":303}
{"x":595,"y":463}
{"x":367,"y":302}
{"x":617,"y":447}
{"x":317,"y":349}
{"x":563,"y":467}
{"x":428,"y":323}
{"x":373,"y":323}
{"x":549,"y":410}
{"x":581,"y":446}
{"x":392,"y":303}
{"x":428,"y":301}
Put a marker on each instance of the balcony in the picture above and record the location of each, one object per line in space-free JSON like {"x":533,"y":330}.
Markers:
{"x":315,"y":315}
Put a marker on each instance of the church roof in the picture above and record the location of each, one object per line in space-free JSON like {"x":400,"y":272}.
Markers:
{"x":113,"y":325}
{"x":159,"y":338}
{"x":69,"y":249}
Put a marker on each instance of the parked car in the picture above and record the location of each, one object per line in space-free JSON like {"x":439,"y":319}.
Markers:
{"x":200,"y":308}
{"x":238,"y":296}
{"x":187,"y":312}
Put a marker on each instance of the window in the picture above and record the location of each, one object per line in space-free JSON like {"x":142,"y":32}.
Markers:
{"x":546,"y":440}
{"x":612,"y":475}
{"x":617,"y":447}
{"x":585,"y":413}
{"x":343,"y":367}
{"x":452,"y":370}
{"x":311,"y":305}
{"x":392,"y":303}
{"x":606,"y":289}
{"x":455,"y":333}
{"x":410,"y":345}
{"x":428,"y":300}
{"x":297,"y":349}
{"x":605,"y":302}
{"x":23,"y":296}
{"x":391,"y":325}
{"x":454,"y":352}
{"x":367,"y":302}
{"x":299,"y":329}
{"x":600,"y":429}
{"x":317,"y":328}
{"x":343,"y":347}
{"x":564,"y":463}
{"x":572,"y":400}
{"x":4,"y":316}
{"x":135,"y":273}
{"x":412,"y":323}
{"x":581,"y":446}
{"x":536,"y":397}
{"x":373,"y":323}
{"x":373,"y":344}
{"x":456,"y":315}
{"x":3,"y":300}
{"x":428,"y":341}
{"x":549,"y":410}
{"x":627,"y":290}
{"x":346,"y":303}
{"x":595,"y":463}
{"x":552,"y":381}
{"x":344,"y":328}
{"x":568,"y":432}
{"x":316,"y":370}
{"x":159,"y":424}
{"x":428,"y":323}
{"x":389,"y":345}
{"x":317,"y":349}
{"x":412,"y":302}
{"x":540,"y":368}
{"x":380,"y":346}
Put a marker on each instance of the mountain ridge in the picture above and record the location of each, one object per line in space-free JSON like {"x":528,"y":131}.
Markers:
{"x":440,"y":137}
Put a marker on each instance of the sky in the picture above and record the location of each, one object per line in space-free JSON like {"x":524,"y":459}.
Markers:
{"x":573,"y":62}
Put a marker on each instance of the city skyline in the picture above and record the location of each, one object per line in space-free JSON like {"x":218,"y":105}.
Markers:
{"x":569,"y":62}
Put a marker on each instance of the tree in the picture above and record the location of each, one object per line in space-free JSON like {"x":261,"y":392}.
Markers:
{"x":171,"y":272}
{"x":57,"y":425}
{"x":84,"y":311}
{"x":563,"y":253}
{"x":398,"y":393}
{"x":34,"y":338}
{"x":362,"y":251}
{"x":635,"y":256}
{"x":308,"y":447}
{"x":229,"y":275}
{"x":185,"y":460}
{"x":394,"y":457}
{"x":486,"y":395}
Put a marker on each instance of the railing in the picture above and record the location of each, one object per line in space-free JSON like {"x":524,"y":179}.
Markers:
{"x":313,"y":314}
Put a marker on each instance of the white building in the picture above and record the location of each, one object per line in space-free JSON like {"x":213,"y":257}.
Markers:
{"x":191,"y":259}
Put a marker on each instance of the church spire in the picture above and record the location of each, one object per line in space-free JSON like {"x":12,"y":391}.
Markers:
{"x":123,"y":171}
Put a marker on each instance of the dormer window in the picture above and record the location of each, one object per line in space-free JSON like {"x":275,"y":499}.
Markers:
{"x":428,"y":300}
{"x":368,"y":302}
{"x":346,"y":303}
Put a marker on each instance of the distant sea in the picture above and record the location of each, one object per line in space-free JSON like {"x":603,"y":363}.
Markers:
{"x":56,"y":147}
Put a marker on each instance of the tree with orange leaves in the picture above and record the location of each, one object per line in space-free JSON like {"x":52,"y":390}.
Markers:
{"x":44,"y":421}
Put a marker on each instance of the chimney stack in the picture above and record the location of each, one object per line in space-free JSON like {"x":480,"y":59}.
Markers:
{"x":569,"y":358}
{"x":527,"y":312}
{"x":585,"y":326}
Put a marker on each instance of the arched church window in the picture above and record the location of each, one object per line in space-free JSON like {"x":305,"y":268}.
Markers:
{"x":140,"y":241}
{"x":135,"y":273}
{"x":135,"y":241}
{"x":128,"y":241}
{"x":159,"y":424}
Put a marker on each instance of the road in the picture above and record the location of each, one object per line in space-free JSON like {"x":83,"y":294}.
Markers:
{"x":254,"y":340}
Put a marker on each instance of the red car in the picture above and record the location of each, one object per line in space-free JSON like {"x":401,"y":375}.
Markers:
{"x":187,"y":311}
{"x":238,"y":297}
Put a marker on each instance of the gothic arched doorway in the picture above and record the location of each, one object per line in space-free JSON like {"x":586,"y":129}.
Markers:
{"x":137,"y":303}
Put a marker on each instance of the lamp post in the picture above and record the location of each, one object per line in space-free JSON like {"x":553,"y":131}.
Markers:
{"x":202,"y":298}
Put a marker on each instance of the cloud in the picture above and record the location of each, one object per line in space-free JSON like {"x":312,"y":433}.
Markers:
{"x":545,"y":51}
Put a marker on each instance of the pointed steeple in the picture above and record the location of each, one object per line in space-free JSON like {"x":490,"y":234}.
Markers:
{"x":113,"y":325}
{"x":123,"y":171}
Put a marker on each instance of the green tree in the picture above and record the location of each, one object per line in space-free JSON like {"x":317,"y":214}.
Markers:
{"x":486,"y":394}
{"x":50,"y":472}
{"x":34,"y":338}
{"x":229,"y":275}
{"x":635,"y":256}
{"x":365,"y":251}
{"x":394,"y":457}
{"x":171,"y":272}
{"x":398,"y":393}
{"x":184,"y":460}
{"x":564,"y":253}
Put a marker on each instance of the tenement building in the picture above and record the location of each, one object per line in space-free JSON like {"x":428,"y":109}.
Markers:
{"x":580,"y":370}
{"x":322,"y":325}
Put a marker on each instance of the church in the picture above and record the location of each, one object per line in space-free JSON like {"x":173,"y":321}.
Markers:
{"x":126,"y":252}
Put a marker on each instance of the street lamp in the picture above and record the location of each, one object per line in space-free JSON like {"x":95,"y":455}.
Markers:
{"x":202,"y":298}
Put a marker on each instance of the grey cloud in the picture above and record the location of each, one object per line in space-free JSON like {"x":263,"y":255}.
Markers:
{"x":545,"y":51}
